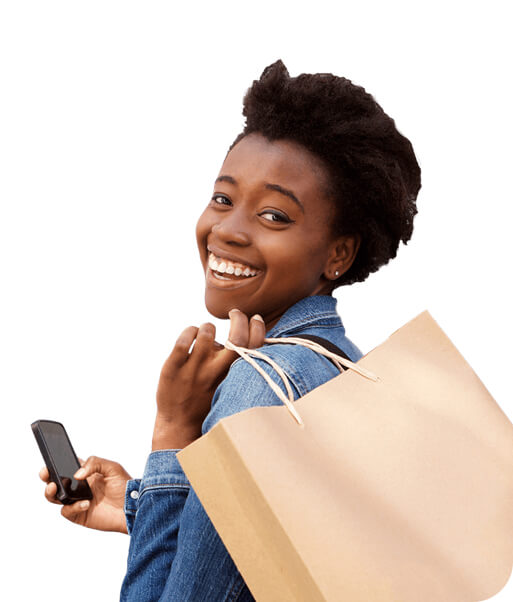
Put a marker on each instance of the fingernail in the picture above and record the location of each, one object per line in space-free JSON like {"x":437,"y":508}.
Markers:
{"x":232,"y":310}
{"x":258,"y":317}
{"x":84,"y":504}
{"x":80,"y":473}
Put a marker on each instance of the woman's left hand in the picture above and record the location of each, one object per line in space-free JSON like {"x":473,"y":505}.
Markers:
{"x":188,"y":380}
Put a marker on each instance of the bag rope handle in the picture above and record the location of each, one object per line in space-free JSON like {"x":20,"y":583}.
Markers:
{"x":288,"y":400}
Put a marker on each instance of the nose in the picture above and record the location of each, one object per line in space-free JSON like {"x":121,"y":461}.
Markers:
{"x":232,"y":229}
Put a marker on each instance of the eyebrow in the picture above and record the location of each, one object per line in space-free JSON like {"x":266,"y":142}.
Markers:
{"x":276,"y":187}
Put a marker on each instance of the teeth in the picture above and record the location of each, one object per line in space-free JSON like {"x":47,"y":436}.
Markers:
{"x":225,"y":266}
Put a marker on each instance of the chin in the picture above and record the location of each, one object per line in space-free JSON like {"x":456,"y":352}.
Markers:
{"x":219,"y":307}
{"x":220,"y":314}
{"x":217,"y":310}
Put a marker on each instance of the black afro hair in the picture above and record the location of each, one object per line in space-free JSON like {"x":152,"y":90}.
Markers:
{"x":374,"y":177}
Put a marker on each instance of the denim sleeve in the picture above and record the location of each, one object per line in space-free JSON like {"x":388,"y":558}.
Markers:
{"x":175,"y":552}
{"x":153,"y":506}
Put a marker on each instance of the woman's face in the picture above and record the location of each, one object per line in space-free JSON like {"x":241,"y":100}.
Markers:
{"x":265,"y":237}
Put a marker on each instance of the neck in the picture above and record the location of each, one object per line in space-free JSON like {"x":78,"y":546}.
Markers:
{"x":272,"y":319}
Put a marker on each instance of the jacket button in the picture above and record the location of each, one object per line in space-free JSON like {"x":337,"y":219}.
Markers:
{"x":134,"y":494}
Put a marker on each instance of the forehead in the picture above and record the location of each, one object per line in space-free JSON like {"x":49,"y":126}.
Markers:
{"x":255,"y":160}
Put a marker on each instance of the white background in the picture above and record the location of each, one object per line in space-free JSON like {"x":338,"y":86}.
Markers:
{"x":114,"y":120}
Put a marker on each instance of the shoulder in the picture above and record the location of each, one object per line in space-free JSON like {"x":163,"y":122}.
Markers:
{"x":244,"y":387}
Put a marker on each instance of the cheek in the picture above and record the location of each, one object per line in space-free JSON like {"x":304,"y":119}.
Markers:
{"x":297,"y":257}
{"x":203,"y":227}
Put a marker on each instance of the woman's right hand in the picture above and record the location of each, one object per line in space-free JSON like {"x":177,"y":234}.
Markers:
{"x":107,"y":481}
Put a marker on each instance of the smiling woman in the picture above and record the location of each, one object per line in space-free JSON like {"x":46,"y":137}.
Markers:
{"x":266,"y":214}
{"x":316,"y":192}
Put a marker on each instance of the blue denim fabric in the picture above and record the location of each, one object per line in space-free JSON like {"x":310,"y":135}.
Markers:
{"x":175,"y":552}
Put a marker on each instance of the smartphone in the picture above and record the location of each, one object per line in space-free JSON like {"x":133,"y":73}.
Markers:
{"x":61,"y":461}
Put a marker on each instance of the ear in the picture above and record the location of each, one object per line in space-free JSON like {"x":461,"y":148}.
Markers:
{"x":342,"y":253}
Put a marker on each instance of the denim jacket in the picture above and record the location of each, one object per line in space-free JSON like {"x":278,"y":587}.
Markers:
{"x":175,"y":553}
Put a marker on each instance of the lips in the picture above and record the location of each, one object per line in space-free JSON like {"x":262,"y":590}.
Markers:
{"x":229,"y":258}
{"x":226,"y":267}
{"x":229,"y":268}
{"x":222,"y":282}
{"x":224,"y":272}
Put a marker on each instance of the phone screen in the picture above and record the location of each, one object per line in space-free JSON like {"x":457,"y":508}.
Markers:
{"x":63,"y":457}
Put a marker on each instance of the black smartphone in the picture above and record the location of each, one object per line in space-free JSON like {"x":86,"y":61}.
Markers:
{"x":61,"y":461}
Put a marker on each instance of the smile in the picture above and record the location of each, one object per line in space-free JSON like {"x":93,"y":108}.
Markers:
{"x":225,"y":269}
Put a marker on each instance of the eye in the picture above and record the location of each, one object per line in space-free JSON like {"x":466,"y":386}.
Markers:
{"x":276,"y":217}
{"x":220,"y":199}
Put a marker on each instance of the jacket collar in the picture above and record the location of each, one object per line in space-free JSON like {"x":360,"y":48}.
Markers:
{"x":310,"y":311}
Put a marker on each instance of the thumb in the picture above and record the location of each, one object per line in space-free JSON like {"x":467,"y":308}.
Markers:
{"x":94,"y":464}
{"x":107,"y":468}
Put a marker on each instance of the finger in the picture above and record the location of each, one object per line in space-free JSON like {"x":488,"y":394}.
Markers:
{"x":239,"y":335}
{"x":180,"y":353}
{"x":91,"y":466}
{"x":70,"y":511}
{"x":204,"y":343}
{"x":239,"y":328}
{"x":44,"y":475}
{"x":256,"y":332}
{"x":95,"y":464}
{"x":51,"y":492}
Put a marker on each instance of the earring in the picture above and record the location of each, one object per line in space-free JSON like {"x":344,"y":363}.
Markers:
{"x":336,"y":273}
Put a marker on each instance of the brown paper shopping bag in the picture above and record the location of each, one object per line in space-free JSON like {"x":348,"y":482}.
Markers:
{"x":397,"y":489}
